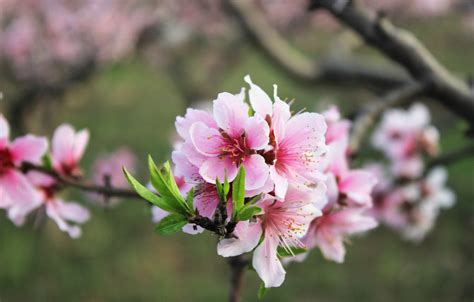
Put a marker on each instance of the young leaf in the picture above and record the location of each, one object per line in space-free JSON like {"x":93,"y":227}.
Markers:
{"x":147,"y":194}
{"x":262,"y":291}
{"x":293,"y":251}
{"x":248,"y":212}
{"x":226,"y":186}
{"x":47,"y":161}
{"x":164,"y":183}
{"x":238,"y":193}
{"x":190,"y":198}
{"x":171,"y":224}
{"x":220,"y":190}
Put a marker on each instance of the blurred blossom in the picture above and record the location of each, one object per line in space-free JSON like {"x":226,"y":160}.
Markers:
{"x":107,"y":170}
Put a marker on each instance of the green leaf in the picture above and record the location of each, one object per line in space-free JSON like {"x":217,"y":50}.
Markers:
{"x":226,"y":187}
{"x":171,"y":224}
{"x":248,"y":212}
{"x":190,"y":198}
{"x":220,"y":190}
{"x":164,"y":183}
{"x":262,"y":291}
{"x":238,"y":193}
{"x":47,"y":161}
{"x":145,"y":193}
{"x":293,"y":251}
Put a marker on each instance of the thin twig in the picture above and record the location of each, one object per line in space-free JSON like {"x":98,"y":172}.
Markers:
{"x":238,"y":265}
{"x":330,"y":70}
{"x":396,"y":97}
{"x":405,"y":49}
{"x":451,"y":157}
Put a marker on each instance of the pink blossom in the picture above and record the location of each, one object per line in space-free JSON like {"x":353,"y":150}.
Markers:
{"x":107,"y":169}
{"x":353,"y":186}
{"x":329,"y":231}
{"x":412,"y":209}
{"x":296,"y":142}
{"x":404,"y":136}
{"x":281,"y":224}
{"x":68,"y":147}
{"x":219,"y":152}
{"x":67,"y":215}
{"x":15,"y":189}
{"x":338,"y":129}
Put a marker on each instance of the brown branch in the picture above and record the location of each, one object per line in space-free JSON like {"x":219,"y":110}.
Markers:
{"x":220,"y":228}
{"x":298,"y":65}
{"x":451,"y":157}
{"x":107,"y":191}
{"x":396,"y":97}
{"x":238,"y":265}
{"x":405,"y":49}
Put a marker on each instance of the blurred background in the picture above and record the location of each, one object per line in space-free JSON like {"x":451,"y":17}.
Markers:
{"x":126,"y":69}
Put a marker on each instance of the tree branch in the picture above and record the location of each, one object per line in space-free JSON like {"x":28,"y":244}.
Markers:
{"x":238,"y":266}
{"x":303,"y":68}
{"x":451,"y":157}
{"x":396,"y":97}
{"x":405,"y":49}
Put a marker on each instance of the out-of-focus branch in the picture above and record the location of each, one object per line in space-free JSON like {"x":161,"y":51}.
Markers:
{"x":331,"y":70}
{"x":405,"y":49}
{"x":396,"y":97}
{"x":238,"y":266}
{"x":25,"y":100}
{"x":451,"y":157}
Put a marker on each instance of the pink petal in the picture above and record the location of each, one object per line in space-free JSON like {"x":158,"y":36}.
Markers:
{"x":72,"y":211}
{"x":257,"y":132}
{"x":358,"y":185}
{"x":248,"y":235}
{"x":218,"y":167}
{"x":157,"y":214}
{"x":15,"y":189}
{"x":4,"y":131}
{"x":331,"y":245}
{"x":28,"y":148}
{"x":256,"y":172}
{"x":281,"y":115}
{"x":281,"y":183}
{"x":196,"y":158}
{"x":39,"y":179}
{"x":62,"y":144}
{"x":19,"y":212}
{"x":184,"y":168}
{"x":260,"y":101}
{"x":337,"y":157}
{"x":80,"y":143}
{"x":206,"y":140}
{"x":266,"y":262}
{"x":231,"y":113}
{"x":192,"y":116}
{"x":74,"y":231}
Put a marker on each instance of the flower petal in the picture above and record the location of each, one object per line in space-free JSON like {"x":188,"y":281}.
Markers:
{"x":72,"y":211}
{"x":231,"y":113}
{"x":28,"y":148}
{"x":256,"y":172}
{"x":260,"y":101}
{"x":266,"y":262}
{"x":4,"y":131}
{"x":248,"y":235}
{"x":281,"y":183}
{"x":192,"y":116}
{"x":80,"y":143}
{"x":207,"y":141}
{"x":15,"y":189}
{"x":257,"y":133}
{"x":217,"y":167}
{"x":358,"y":185}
